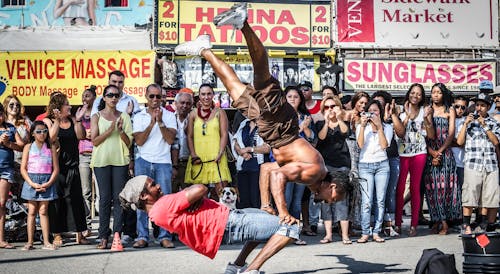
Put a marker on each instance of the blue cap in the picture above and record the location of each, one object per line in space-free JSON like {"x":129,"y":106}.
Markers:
{"x":486,"y":84}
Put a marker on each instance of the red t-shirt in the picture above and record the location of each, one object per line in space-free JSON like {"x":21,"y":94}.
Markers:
{"x":316,"y":108}
{"x":201,"y":230}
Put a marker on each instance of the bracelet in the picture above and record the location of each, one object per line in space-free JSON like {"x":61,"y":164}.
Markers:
{"x":266,"y":206}
{"x":486,"y":128}
{"x":161,"y":125}
{"x":78,"y":121}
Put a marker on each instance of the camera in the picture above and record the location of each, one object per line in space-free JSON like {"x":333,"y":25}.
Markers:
{"x":367,"y":114}
{"x":475,"y":115}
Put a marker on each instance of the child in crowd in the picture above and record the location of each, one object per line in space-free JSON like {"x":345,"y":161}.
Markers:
{"x":480,"y":135}
{"x":39,"y":168}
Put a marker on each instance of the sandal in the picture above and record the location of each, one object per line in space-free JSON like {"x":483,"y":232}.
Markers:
{"x":49,"y":247}
{"x":325,"y":240}
{"x":309,"y":233}
{"x":378,"y":239}
{"x":81,"y":240}
{"x":28,"y":247}
{"x":6,"y":245}
{"x":103,"y":244}
{"x":412,"y":232}
{"x":58,"y":241}
{"x":300,"y":242}
{"x":346,"y":241}
{"x":363,"y":239}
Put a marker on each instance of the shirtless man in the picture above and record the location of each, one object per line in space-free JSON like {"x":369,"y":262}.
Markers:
{"x":296,"y":159}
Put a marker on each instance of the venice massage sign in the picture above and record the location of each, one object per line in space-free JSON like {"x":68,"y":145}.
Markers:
{"x":33,"y":76}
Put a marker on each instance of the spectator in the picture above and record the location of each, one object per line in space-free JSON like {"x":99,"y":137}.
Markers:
{"x":15,"y":116}
{"x":180,"y":150}
{"x":126,"y":103}
{"x":207,"y":140}
{"x":480,"y":135}
{"x":313,"y":106}
{"x":328,"y":91}
{"x":154,"y":132}
{"x":415,"y":126}
{"x":39,"y":168}
{"x":9,"y":141}
{"x":111,"y":132}
{"x":460,"y":105}
{"x":373,"y":136}
{"x":332,"y":135}
{"x":250,"y":149}
{"x":85,"y":149}
{"x":440,"y":178}
{"x":295,"y":191}
{"x":67,"y":212}
{"x":385,"y":99}
{"x":496,"y":99}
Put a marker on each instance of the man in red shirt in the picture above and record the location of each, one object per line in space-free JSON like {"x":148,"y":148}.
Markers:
{"x":203,"y":224}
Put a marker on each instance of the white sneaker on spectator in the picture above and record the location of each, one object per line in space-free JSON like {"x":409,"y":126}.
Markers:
{"x":194,"y":48}
{"x":250,"y":272}
{"x":235,"y":16}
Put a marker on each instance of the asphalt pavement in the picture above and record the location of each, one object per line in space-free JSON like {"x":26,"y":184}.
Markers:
{"x":396,"y":255}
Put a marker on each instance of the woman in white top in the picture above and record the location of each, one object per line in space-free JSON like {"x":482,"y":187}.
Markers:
{"x":373,"y":137}
{"x":412,"y":127}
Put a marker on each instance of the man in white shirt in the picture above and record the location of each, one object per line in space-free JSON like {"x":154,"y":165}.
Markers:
{"x":154,"y":131}
{"x":126,"y":103}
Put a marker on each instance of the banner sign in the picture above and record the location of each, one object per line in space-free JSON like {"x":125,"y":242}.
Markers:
{"x":298,"y":25}
{"x":394,"y":75}
{"x":289,"y":71}
{"x":33,"y":76}
{"x":417,"y":23}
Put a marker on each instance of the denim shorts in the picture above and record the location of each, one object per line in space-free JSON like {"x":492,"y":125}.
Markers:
{"x":251,"y":224}
{"x":7,"y":174}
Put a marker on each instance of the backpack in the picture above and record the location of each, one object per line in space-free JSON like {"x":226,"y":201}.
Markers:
{"x":435,"y":261}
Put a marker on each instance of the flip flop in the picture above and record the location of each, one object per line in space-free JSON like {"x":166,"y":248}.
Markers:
{"x":346,"y":241}
{"x":325,"y":241}
{"x":300,"y":242}
{"x":49,"y":247}
{"x":6,"y":245}
{"x":27,"y":247}
{"x":309,"y":233}
{"x":379,"y":239}
{"x":363,"y":239}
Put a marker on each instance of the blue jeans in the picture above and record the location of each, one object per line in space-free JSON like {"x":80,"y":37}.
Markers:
{"x":375,"y":176}
{"x":390,"y":196}
{"x":251,"y":224}
{"x":162,"y":174}
{"x":293,"y":198}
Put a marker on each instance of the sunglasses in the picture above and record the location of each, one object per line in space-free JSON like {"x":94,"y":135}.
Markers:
{"x":41,"y":131}
{"x":459,"y":107}
{"x":111,"y":95}
{"x":203,"y":129}
{"x":12,"y":105}
{"x":305,"y":89}
{"x":329,"y":107}
{"x":152,"y":96}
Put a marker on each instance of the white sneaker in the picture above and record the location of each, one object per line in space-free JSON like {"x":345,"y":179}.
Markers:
{"x":194,"y":47}
{"x":234,"y":269}
{"x":235,"y":16}
{"x":250,"y":272}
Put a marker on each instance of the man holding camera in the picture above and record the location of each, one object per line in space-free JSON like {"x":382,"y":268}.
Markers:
{"x":480,"y":135}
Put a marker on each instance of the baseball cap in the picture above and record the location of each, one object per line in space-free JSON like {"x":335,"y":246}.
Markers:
{"x":486,"y":84}
{"x":306,"y":84}
{"x":483,"y":97}
{"x":130,"y":194}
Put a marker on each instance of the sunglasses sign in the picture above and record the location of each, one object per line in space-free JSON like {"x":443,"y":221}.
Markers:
{"x":395,"y":75}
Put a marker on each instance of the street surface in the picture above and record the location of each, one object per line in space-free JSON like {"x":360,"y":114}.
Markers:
{"x":397,"y":255}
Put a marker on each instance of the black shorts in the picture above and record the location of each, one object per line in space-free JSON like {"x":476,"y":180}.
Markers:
{"x":276,"y":119}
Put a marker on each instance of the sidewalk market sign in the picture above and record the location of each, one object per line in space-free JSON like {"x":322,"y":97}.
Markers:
{"x":33,"y":76}
{"x":394,"y":75}
{"x":284,"y":25}
{"x":416,"y":23}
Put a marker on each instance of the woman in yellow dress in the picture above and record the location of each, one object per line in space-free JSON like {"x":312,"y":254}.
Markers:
{"x":207,"y":132}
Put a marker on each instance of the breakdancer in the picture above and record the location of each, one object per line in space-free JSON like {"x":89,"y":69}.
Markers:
{"x":265,"y":102}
